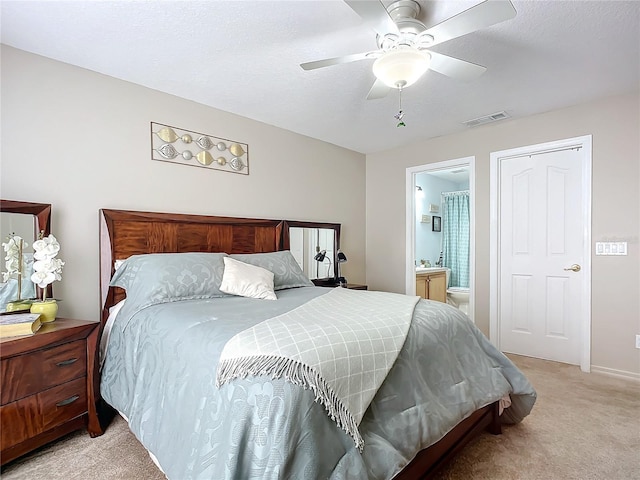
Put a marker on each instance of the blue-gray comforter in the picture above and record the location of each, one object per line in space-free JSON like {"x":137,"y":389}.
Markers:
{"x":160,"y":372}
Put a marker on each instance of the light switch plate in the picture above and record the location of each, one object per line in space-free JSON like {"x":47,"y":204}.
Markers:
{"x":611,"y":248}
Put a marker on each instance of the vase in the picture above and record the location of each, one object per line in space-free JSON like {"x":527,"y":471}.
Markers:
{"x":48,"y":309}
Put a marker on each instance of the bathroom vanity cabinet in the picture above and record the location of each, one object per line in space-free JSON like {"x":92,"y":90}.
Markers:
{"x":432,"y":285}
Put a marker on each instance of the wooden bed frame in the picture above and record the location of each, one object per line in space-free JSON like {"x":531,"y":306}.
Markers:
{"x":125,"y":233}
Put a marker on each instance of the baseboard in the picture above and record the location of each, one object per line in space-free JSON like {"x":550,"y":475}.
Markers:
{"x":612,"y":372}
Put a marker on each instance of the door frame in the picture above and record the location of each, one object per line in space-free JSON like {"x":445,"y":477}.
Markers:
{"x":410,"y":248}
{"x":585,"y":144}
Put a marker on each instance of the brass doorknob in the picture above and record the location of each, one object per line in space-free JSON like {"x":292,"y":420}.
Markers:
{"x":574,"y":268}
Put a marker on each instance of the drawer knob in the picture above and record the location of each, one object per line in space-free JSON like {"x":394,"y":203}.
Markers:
{"x":66,"y":362}
{"x":67,"y":401}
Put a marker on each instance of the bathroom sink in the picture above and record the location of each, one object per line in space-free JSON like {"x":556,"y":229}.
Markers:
{"x":430,"y":269}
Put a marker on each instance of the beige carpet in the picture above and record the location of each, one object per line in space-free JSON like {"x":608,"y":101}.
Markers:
{"x":582,"y":427}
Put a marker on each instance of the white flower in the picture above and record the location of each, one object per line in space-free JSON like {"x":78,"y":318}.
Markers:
{"x":11,"y":264}
{"x":47,"y":247}
{"x":43,"y":278}
{"x":13,"y":255}
{"x":47,"y":268}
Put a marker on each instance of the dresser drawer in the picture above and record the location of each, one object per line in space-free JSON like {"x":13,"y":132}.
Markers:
{"x":30,"y":416}
{"x":24,"y":375}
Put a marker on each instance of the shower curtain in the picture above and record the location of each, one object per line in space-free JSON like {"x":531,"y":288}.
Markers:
{"x":455,"y":236}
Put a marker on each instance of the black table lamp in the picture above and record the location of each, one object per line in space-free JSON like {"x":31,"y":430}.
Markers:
{"x":341,"y":258}
{"x":321,"y":256}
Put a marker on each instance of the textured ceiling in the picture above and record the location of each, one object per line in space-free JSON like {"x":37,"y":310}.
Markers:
{"x":243,"y":57}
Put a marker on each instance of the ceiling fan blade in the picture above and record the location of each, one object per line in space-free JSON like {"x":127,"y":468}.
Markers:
{"x":327,"y":62}
{"x":378,"y":90}
{"x":480,"y":16}
{"x":454,"y":67}
{"x":375,"y":15}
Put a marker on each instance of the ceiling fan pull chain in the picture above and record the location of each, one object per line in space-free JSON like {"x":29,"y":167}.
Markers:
{"x":400,"y":115}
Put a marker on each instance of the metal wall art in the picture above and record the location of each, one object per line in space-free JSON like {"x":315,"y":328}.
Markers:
{"x":171,"y":144}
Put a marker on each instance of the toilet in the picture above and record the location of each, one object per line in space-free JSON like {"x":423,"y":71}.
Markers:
{"x":458,"y":296}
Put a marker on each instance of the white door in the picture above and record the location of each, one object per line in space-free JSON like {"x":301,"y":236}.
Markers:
{"x":543,"y":261}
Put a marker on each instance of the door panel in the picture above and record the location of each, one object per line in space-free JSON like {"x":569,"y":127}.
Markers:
{"x":540,"y":235}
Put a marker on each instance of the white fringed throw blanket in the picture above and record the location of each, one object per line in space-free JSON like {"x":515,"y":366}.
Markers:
{"x":341,"y":345}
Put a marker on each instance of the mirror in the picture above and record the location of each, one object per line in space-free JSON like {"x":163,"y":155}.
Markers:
{"x":25,"y":219}
{"x":315,"y":247}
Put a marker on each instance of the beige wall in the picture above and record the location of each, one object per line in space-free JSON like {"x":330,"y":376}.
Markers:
{"x":80,"y":141}
{"x":615,"y":126}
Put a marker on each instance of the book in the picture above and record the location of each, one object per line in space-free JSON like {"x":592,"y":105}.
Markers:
{"x":19,"y":324}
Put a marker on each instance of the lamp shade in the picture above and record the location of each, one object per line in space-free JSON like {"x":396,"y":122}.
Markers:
{"x":401,"y":67}
{"x":320,"y":256}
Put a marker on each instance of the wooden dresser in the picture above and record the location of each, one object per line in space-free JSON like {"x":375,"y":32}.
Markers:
{"x":47,"y":385}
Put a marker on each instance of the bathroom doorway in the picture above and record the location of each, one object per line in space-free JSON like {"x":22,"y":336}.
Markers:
{"x":425,"y":224}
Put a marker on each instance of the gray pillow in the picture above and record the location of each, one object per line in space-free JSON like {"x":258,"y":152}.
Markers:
{"x":286,"y":271}
{"x":167,"y":277}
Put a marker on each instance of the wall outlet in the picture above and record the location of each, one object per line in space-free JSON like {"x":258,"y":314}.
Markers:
{"x":637,"y":341}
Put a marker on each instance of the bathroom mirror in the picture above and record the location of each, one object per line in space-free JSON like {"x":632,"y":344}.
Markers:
{"x":306,"y":240}
{"x":25,"y":219}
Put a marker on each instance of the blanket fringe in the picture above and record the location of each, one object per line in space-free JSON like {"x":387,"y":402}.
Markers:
{"x":297,"y":373}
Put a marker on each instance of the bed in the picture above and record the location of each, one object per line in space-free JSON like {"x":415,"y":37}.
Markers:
{"x":446,"y":385}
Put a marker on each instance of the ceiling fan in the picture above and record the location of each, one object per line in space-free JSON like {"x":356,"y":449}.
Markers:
{"x":404,"y":42}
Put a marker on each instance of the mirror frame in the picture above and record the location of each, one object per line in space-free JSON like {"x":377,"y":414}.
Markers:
{"x":286,"y":245}
{"x":42,"y":214}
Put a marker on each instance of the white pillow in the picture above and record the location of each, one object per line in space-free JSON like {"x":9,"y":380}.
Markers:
{"x":247,"y":280}
{"x":104,"y":339}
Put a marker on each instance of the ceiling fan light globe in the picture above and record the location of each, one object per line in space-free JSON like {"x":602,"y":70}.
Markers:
{"x":401,"y":67}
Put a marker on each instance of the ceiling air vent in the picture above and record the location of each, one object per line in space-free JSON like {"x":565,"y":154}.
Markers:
{"x":486,"y":119}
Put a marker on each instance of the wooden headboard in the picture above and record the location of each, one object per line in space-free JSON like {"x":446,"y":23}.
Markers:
{"x":124,"y":233}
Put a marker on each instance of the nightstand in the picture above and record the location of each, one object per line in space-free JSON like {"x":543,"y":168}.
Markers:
{"x":355,"y":286}
{"x":330,"y":282}
{"x":47,"y":385}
